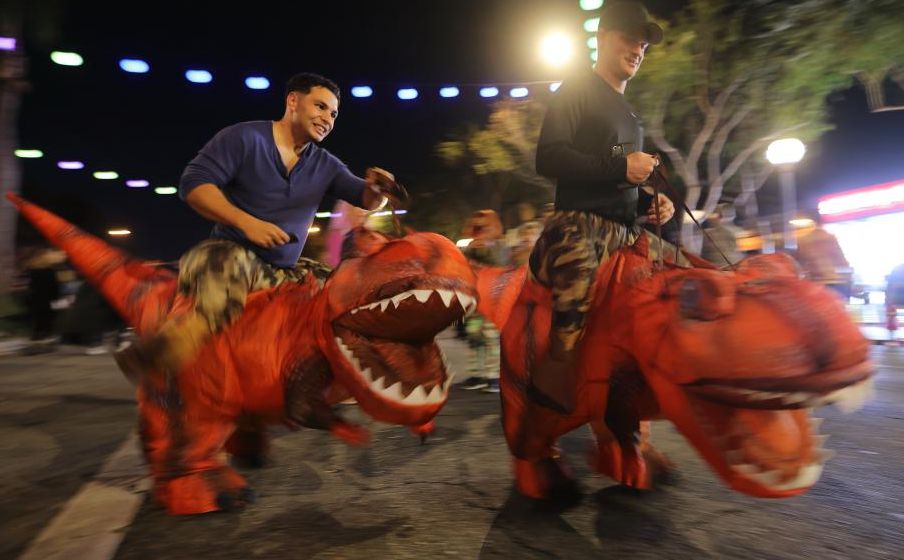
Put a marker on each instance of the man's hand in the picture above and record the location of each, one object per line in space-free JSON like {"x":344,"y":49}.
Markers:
{"x":666,"y":210}
{"x":383,"y":183}
{"x":640,"y":165}
{"x":263,"y":234}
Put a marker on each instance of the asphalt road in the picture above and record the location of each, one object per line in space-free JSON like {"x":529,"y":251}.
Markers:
{"x":61,"y":415}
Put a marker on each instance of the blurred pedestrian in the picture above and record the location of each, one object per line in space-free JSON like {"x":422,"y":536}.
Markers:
{"x":488,"y":248}
{"x":721,"y":243}
{"x":43,"y":289}
{"x":823,"y":261}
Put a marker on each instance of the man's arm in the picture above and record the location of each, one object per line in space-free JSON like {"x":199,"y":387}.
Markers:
{"x":215,"y":166}
{"x":557,"y":156}
{"x":209,"y":201}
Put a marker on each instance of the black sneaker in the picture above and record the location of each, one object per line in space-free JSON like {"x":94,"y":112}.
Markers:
{"x":492,"y":386}
{"x":473,"y":383}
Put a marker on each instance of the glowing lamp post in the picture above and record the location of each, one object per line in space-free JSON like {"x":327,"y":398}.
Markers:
{"x":556,"y":49}
{"x":784,"y":154}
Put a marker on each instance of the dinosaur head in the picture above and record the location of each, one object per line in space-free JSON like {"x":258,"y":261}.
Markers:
{"x":738,"y":360}
{"x":386,"y":302}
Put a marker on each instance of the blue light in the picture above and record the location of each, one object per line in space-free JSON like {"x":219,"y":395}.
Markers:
{"x":134,"y":66}
{"x":489,"y":92}
{"x":519,"y":92}
{"x":362,"y":91}
{"x":257,"y":82}
{"x":407,"y":93}
{"x":449,"y":91}
{"x":198,"y":76}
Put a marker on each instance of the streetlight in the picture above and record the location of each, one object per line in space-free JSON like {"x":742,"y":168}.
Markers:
{"x":556,"y":49}
{"x":784,"y":154}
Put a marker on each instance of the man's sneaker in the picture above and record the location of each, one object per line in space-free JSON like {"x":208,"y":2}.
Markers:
{"x":473,"y":383}
{"x":492,"y":386}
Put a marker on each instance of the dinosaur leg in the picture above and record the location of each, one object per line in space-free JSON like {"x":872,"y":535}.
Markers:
{"x":624,"y":451}
{"x":183,"y":448}
{"x":539,"y":469}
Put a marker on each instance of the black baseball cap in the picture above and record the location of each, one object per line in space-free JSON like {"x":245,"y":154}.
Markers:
{"x":630,"y":17}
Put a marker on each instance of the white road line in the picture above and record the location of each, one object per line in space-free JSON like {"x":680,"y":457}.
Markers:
{"x":92,"y":524}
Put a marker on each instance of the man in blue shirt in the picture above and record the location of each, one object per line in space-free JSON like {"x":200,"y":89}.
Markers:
{"x":261,"y":183}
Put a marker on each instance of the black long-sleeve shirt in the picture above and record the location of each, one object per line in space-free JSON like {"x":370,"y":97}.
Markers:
{"x":587,"y":131}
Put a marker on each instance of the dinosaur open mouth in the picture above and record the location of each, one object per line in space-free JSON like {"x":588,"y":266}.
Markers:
{"x":778,"y":449}
{"x":411,"y":315}
{"x":770,"y":437}
{"x":403,"y":373}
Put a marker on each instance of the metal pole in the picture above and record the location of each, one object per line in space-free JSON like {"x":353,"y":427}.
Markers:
{"x":789,"y":205}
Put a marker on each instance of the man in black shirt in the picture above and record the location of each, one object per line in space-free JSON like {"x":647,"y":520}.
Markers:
{"x":591,"y":144}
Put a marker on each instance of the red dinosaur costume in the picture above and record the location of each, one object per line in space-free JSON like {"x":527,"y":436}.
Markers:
{"x":736,"y":360}
{"x":295,"y":351}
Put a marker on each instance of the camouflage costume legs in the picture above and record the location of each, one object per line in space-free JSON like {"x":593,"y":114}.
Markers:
{"x":215,"y":277}
{"x":566,"y":258}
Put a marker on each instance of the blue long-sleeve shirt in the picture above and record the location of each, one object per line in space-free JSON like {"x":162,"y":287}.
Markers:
{"x":243,"y":161}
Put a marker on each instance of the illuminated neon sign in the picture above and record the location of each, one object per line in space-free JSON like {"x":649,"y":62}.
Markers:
{"x":861,"y":203}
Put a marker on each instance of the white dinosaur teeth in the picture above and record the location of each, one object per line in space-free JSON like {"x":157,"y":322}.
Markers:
{"x":465,"y":300}
{"x":422,"y":295}
{"x":367,"y":375}
{"x":436,"y":394}
{"x":770,"y":478}
{"x":393,"y":392}
{"x":446,"y":296}
{"x":825,"y":455}
{"x":746,"y":469}
{"x":418,"y":396}
{"x":378,"y":384}
{"x":396,"y":300}
{"x":794,"y":398}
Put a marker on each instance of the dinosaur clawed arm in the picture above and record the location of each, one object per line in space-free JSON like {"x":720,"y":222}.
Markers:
{"x":306,"y":404}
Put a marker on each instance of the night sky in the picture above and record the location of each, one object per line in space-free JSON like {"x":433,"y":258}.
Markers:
{"x":149,"y":125}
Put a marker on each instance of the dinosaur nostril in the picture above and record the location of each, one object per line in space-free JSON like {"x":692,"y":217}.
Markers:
{"x":689,"y":296}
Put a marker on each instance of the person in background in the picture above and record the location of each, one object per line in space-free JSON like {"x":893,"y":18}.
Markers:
{"x":488,"y":248}
{"x":722,"y":240}
{"x":823,"y":261}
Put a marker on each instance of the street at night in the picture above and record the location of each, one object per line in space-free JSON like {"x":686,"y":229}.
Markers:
{"x":452,"y":497}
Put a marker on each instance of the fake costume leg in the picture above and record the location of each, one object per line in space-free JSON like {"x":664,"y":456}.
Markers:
{"x":215,"y":278}
{"x":566,"y":258}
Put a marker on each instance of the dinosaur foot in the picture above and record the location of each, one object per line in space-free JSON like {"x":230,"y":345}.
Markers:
{"x":548,"y":481}
{"x":625,"y":466}
{"x":220,"y":489}
{"x":634,"y":467}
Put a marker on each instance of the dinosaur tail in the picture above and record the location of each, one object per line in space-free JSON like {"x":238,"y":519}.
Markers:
{"x":141,"y":293}
{"x":498,"y":289}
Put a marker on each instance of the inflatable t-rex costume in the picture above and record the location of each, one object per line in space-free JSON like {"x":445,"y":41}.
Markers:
{"x":736,"y":360}
{"x":296,"y":350}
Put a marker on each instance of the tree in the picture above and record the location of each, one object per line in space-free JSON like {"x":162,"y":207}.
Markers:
{"x":499,"y":157}
{"x":731,"y":77}
{"x":13,"y":84}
